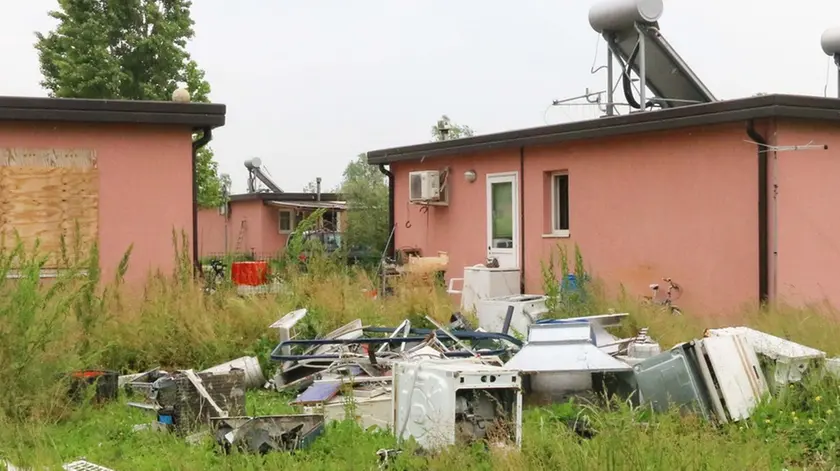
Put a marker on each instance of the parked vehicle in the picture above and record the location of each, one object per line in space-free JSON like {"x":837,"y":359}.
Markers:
{"x":332,"y":242}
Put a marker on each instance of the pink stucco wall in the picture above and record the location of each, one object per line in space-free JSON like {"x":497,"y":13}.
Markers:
{"x":807,"y":221}
{"x":251,"y":226}
{"x":139,"y":203}
{"x":679,"y":204}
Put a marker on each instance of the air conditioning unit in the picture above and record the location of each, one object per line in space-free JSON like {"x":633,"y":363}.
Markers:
{"x":424,"y":186}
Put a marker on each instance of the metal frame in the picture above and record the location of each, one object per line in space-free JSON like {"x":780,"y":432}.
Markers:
{"x":419,"y":335}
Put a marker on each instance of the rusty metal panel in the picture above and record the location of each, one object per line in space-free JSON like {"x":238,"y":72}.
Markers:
{"x":227,"y":390}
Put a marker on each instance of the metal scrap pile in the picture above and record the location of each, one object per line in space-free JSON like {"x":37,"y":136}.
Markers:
{"x":720,"y":376}
{"x":457,"y":384}
{"x":355,"y":364}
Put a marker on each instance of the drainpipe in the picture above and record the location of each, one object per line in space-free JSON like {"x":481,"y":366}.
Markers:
{"x":318,"y":199}
{"x":206,"y":136}
{"x":391,"y":186}
{"x":522,"y":220}
{"x":763,"y":217}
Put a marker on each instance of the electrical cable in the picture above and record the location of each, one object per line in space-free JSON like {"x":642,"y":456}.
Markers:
{"x":593,"y":70}
{"x":827,"y":75}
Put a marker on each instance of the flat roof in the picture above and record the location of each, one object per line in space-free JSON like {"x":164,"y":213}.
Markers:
{"x":341,"y":205}
{"x":196,"y":115}
{"x":742,"y":109}
{"x":286,"y":197}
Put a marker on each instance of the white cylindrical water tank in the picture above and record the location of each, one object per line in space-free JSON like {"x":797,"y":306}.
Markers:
{"x":830,"y":41}
{"x":616,"y":15}
{"x":253,"y":163}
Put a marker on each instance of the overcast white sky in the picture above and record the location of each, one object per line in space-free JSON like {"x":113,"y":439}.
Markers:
{"x":311,"y":84}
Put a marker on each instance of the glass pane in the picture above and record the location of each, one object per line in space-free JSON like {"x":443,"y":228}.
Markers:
{"x":502,"y":214}
{"x":285,"y":221}
{"x":561,"y":203}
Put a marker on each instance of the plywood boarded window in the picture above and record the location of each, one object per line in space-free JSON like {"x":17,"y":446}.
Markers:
{"x":46,"y":194}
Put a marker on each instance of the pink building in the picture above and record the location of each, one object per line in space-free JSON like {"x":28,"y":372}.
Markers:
{"x":260,"y":223}
{"x":709,"y":195}
{"x":119,"y":171}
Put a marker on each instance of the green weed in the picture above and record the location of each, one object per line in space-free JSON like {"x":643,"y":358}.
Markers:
{"x":50,"y":327}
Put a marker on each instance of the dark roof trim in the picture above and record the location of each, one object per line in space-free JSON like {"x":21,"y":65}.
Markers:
{"x":280,"y":197}
{"x":766,"y":106}
{"x":196,"y":115}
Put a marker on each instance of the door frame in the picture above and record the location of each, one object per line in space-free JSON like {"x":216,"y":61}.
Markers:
{"x":502,"y":177}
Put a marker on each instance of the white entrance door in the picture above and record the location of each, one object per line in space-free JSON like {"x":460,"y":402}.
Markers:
{"x":503,"y":218}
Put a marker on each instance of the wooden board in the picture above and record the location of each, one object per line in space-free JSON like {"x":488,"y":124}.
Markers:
{"x":46,"y":193}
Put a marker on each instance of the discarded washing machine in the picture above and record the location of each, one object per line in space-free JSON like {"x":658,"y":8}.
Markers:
{"x":718,"y":377}
{"x":445,"y":402}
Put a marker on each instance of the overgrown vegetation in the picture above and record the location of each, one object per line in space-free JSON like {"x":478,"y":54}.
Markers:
{"x":366,"y":192}
{"x":53,"y":327}
{"x":567,"y":293}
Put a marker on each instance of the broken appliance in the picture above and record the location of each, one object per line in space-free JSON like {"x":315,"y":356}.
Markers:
{"x":285,"y":326}
{"x":368,"y":407}
{"x":785,"y":361}
{"x":187,"y":399}
{"x":254,"y":378}
{"x":527,"y":310}
{"x":481,"y":282}
{"x":365,"y":399}
{"x":561,"y":359}
{"x":719,"y":378}
{"x":445,"y":402}
{"x":602,"y":338}
{"x":267,"y":433}
{"x":291,"y":373}
{"x":141,"y":383}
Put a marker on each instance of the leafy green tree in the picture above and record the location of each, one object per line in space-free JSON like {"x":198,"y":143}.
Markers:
{"x":445,"y":130}
{"x":130,"y":50}
{"x":366,"y":193}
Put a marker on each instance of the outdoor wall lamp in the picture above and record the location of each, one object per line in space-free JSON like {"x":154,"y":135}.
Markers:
{"x":469,"y":176}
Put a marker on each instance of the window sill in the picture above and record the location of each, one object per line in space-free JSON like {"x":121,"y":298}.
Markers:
{"x":557,"y":235}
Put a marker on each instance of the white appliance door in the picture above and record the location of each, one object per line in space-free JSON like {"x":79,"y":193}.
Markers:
{"x":738,"y":373}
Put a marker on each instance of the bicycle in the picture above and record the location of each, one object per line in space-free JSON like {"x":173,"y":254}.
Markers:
{"x":668,"y":302}
{"x":216,"y":277}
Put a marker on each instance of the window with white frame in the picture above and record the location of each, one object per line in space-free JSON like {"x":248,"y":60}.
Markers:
{"x":560,"y":204}
{"x":285,"y":222}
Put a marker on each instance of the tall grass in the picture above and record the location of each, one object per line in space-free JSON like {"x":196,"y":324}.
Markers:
{"x":49,"y":327}
{"x":77,"y":320}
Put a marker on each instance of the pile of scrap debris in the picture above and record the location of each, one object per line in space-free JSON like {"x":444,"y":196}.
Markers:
{"x":457,"y":384}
